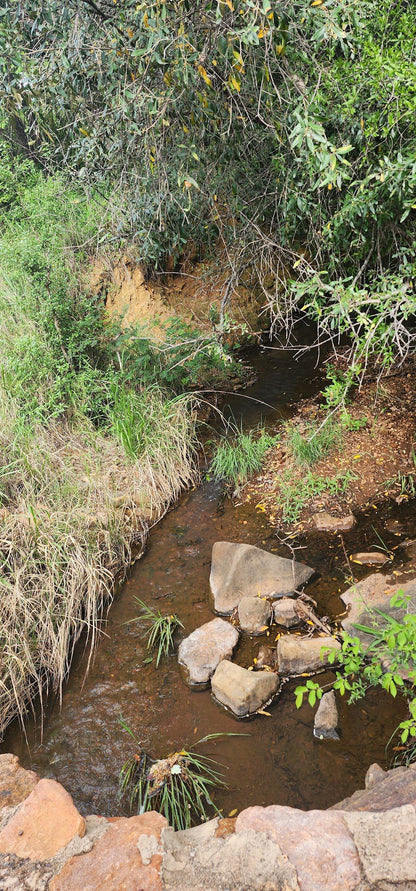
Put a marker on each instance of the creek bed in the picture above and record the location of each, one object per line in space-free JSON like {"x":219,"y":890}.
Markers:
{"x":279,"y":761}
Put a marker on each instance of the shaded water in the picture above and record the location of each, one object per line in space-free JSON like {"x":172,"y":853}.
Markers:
{"x":279,"y":762}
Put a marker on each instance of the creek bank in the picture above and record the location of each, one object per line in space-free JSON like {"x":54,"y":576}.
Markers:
{"x":365,"y":843}
{"x":372,"y":450}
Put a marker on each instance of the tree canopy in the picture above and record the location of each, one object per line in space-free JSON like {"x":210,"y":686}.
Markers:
{"x":284,"y":128}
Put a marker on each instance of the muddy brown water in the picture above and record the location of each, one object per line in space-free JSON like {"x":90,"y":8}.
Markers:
{"x":279,"y":761}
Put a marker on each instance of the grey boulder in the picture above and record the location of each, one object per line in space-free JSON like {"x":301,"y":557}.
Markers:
{"x":326,"y":718}
{"x":200,"y":653}
{"x":240,"y":570}
{"x":300,"y":655}
{"x":254,"y":614}
{"x":243,"y":691}
{"x":284,"y":612}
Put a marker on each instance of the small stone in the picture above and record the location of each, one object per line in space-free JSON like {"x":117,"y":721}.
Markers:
{"x":371,"y":558}
{"x":326,"y":718}
{"x":243,"y":691}
{"x":254,"y":614}
{"x":201,"y":652}
{"x":324,"y":522}
{"x":44,"y":824}
{"x":240,"y":570}
{"x":115,"y":861}
{"x":300,"y":655}
{"x":284,"y":612}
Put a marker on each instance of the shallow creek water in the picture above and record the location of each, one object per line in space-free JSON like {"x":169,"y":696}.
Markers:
{"x":279,"y":761}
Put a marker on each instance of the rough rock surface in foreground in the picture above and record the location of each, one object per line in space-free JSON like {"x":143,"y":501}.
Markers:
{"x":239,"y":570}
{"x":365,"y":844}
{"x":241,"y":690}
{"x":203,"y":650}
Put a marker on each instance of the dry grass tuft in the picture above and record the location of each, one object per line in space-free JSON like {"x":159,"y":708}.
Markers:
{"x":74,"y":506}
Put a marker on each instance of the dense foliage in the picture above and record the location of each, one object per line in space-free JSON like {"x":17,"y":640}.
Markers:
{"x":286,"y":128}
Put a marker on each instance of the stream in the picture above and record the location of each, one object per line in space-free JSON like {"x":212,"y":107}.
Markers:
{"x":279,"y":761}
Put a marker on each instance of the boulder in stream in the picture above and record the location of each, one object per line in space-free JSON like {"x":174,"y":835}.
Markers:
{"x":326,"y":718}
{"x":284,"y":612}
{"x":254,"y":614}
{"x":243,"y":691}
{"x":240,"y":570}
{"x":200,"y":653}
{"x":304,"y":655}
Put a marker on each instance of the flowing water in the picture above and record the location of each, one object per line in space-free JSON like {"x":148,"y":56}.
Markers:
{"x":278,"y":761}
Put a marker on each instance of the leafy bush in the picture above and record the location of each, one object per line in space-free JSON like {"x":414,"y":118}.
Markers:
{"x":387,"y":661}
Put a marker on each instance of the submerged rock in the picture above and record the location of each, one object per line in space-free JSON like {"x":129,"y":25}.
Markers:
{"x":299,"y":655}
{"x":324,"y":522}
{"x":266,"y":657}
{"x":240,"y":570}
{"x":254,"y":614}
{"x":284,"y":612}
{"x":243,"y":691}
{"x":200,"y":653}
{"x":326,"y":718}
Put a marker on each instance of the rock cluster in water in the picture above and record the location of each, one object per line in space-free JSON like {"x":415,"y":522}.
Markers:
{"x":254,"y":588}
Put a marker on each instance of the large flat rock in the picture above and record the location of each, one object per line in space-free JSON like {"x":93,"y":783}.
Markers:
{"x":201,"y":652}
{"x":243,"y":691}
{"x":125,"y":858}
{"x":240,"y":570}
{"x":317,"y":843}
{"x":300,"y":655}
{"x":44,"y":824}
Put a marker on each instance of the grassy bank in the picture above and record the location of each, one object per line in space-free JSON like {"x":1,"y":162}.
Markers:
{"x":340,"y":459}
{"x":92,"y":448}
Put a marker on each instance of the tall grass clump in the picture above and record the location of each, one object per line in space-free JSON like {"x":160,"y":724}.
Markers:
{"x":90,"y":453}
{"x":309,"y":447}
{"x":180,"y":786}
{"x":237,"y":456}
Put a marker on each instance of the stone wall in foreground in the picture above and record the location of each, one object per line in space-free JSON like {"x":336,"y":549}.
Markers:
{"x":365,"y":842}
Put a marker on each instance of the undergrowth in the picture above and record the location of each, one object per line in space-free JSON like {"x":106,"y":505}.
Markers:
{"x":93,"y":447}
{"x":238,"y":456}
{"x":294,"y":494}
